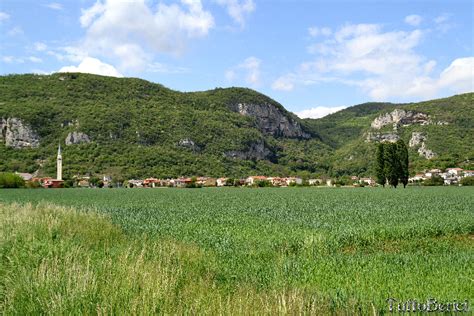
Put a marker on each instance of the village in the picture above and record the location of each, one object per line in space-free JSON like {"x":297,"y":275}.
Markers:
{"x":450,"y":176}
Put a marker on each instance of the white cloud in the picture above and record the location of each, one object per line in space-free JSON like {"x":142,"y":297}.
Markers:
{"x":319,"y":111}
{"x":413,"y":20}
{"x":54,"y":6}
{"x":166,"y":69}
{"x":284,"y":83}
{"x":4,"y":16}
{"x":12,"y":59}
{"x":249,"y":70}
{"x":34,"y":59}
{"x":93,"y":66}
{"x":237,"y":9}
{"x":383,"y":64}
{"x":443,"y":23}
{"x":459,"y":76}
{"x":15,"y":31}
{"x":40,"y":47}
{"x":316,"y":31}
{"x":132,"y":31}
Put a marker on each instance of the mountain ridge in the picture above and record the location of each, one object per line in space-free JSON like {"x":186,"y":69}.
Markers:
{"x":132,"y":127}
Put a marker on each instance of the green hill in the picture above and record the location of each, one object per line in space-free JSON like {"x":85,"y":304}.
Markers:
{"x":128,"y":128}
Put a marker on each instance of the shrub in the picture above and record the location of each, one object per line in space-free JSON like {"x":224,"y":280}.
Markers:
{"x":433,"y":181}
{"x":467,"y":181}
{"x":11,"y":180}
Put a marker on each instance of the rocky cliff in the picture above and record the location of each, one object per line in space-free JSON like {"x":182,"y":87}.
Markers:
{"x":400,"y":117}
{"x":271,"y":120}
{"x":17,"y":134}
{"x":77,"y":138}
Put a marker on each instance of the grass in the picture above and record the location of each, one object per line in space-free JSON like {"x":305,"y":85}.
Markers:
{"x":235,"y":251}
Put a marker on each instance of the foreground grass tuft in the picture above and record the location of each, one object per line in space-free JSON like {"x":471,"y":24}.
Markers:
{"x":56,"y":260}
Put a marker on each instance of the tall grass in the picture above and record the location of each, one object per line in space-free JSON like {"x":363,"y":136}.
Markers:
{"x":56,"y":260}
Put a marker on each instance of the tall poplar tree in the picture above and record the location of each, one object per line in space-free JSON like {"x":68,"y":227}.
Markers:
{"x":392,"y":164}
{"x":380,"y":176}
{"x":402,"y":153}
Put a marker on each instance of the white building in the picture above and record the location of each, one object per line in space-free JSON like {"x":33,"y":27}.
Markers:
{"x":454,"y":171}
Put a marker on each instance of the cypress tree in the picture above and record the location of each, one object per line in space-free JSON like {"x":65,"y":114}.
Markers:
{"x":392,"y":164}
{"x":380,"y":176}
{"x":402,"y":153}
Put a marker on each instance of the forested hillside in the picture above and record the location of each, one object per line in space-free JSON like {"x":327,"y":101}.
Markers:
{"x":128,"y":127}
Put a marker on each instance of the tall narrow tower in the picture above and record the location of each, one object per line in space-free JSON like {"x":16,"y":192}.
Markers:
{"x":59,"y":174}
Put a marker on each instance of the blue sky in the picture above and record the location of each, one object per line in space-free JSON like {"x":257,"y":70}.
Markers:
{"x":314,"y":57}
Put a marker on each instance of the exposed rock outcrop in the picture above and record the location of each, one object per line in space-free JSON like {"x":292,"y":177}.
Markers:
{"x":189,"y":143}
{"x":271,"y":120}
{"x":74,"y":138}
{"x":381,"y":137}
{"x":256,"y":151}
{"x":401,"y":117}
{"x":418,"y":139}
{"x":17,"y":134}
{"x":425,"y":152}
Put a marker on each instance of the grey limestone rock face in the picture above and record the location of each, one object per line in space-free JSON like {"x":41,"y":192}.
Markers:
{"x":74,"y":138}
{"x":381,"y":137}
{"x":188,"y":143}
{"x":400,"y":117}
{"x":418,"y":139}
{"x":271,"y":120}
{"x":425,"y":152}
{"x":17,"y":134}
{"x":256,"y":151}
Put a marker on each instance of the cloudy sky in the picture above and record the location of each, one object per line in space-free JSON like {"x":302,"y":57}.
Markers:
{"x":315,"y":57}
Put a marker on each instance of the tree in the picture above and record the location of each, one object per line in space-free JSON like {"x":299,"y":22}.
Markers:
{"x":391,"y":164}
{"x":402,"y":153}
{"x":380,"y":176}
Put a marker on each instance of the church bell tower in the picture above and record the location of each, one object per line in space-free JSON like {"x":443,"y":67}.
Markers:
{"x":59,"y":160}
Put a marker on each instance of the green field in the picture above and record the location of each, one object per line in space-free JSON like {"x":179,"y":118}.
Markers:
{"x":235,"y":250}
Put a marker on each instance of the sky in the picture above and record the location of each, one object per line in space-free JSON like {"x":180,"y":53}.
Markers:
{"x":314,"y":57}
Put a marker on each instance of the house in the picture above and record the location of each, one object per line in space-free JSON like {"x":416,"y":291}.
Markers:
{"x":276,"y":181}
{"x":315,"y":181}
{"x":53,"y":183}
{"x":220,"y":182}
{"x":201,"y":180}
{"x":368,"y":181}
{"x":165,"y":183}
{"x":151,"y":182}
{"x":83,"y":183}
{"x":210,"y":182}
{"x":135,"y":183}
{"x":181,"y":182}
{"x":254,"y":179}
{"x":206,"y":181}
{"x":451,"y":181}
{"x":417,"y":178}
{"x":454,"y":171}
{"x":468,"y":173}
{"x":294,"y":180}
{"x":25,"y":176}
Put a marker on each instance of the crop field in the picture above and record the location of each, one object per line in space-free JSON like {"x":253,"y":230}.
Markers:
{"x":234,"y":250}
